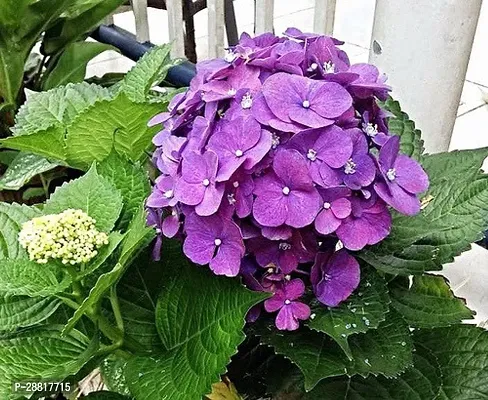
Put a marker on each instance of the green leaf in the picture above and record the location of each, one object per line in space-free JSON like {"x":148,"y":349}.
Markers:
{"x":429,"y":302}
{"x":22,"y":169}
{"x":56,"y":107}
{"x":114,"y":239}
{"x":199,"y":318}
{"x":151,"y":69}
{"x":12,"y":216}
{"x":365,"y":309}
{"x":399,"y":124}
{"x":75,"y":24}
{"x":112,"y":370}
{"x":21,"y":311}
{"x":71,"y":66}
{"x":138,"y":291}
{"x":422,"y":381}
{"x":386,"y":350}
{"x":461,"y":351}
{"x":455,"y":215}
{"x":21,"y":24}
{"x":92,"y":194}
{"x":25,"y":277}
{"x":130,"y":179}
{"x":42,"y":353}
{"x":118,"y":123}
{"x":103,"y":284}
{"x":104,"y":395}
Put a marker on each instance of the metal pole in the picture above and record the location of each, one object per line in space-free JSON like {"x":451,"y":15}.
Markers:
{"x":424,"y":48}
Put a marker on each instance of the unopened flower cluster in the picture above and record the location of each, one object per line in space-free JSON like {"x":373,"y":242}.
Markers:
{"x":277,"y":165}
{"x":70,"y":236}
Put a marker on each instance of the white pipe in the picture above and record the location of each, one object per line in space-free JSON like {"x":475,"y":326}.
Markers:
{"x":216,"y":28}
{"x":424,"y":48}
{"x":324,"y":17}
{"x":263,"y":16}
{"x":175,"y":27}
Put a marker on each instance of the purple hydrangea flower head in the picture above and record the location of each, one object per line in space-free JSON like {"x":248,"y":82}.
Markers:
{"x":286,"y":195}
{"x":305,"y":101}
{"x":197,"y":185}
{"x":369,"y":223}
{"x":334,"y":276}
{"x":330,"y":145}
{"x":215,"y":241}
{"x":239,"y":142}
{"x":289,"y":309}
{"x":403,"y":179}
{"x":336,"y":207}
{"x":275,"y":151}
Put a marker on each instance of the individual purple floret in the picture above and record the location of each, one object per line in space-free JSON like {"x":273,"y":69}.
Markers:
{"x":276,"y":154}
{"x":289,"y":309}
{"x":334,"y":277}
{"x":403,"y":179}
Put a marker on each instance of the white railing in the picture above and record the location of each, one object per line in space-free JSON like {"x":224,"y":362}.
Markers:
{"x":423,"y":47}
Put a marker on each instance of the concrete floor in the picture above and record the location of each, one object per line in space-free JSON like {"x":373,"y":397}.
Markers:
{"x":354,"y":21}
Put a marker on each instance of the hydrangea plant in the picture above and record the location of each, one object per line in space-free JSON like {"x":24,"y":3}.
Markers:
{"x":305,"y":189}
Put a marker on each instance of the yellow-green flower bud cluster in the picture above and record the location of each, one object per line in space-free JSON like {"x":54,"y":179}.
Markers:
{"x":70,"y":236}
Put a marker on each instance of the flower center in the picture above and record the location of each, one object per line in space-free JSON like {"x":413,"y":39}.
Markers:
{"x":168,"y":194}
{"x":313,"y":67}
{"x":270,"y":270}
{"x":217,"y":242}
{"x":370,"y":129}
{"x":329,"y":67}
{"x":231,"y":199}
{"x":230,"y":56}
{"x":326,"y":277}
{"x":231,"y":92}
{"x":284,"y":246}
{"x":206,"y":182}
{"x":275,"y":141}
{"x":235,"y":184}
{"x":312,"y":155}
{"x":391,"y":174}
{"x":287,"y":301}
{"x":286,"y":190}
{"x":246,"y":101}
{"x":239,"y":153}
{"x":326,"y":205}
{"x":306,"y":104}
{"x":350,"y":167}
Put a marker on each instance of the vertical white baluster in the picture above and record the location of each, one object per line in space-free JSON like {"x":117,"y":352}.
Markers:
{"x":263,"y":16}
{"x":142,"y":23}
{"x":175,"y":24}
{"x":216,"y":28}
{"x":424,"y":48}
{"x":324,"y":17}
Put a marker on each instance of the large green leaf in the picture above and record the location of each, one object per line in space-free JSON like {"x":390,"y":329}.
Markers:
{"x":399,"y":124}
{"x":56,"y":107}
{"x":104,"y":253}
{"x":71,"y":65}
{"x":21,"y":24}
{"x":22,"y":311}
{"x":455,"y":215}
{"x":420,"y":382}
{"x":112,"y":370}
{"x":42,"y":353}
{"x":386,"y":350}
{"x":104,"y":395}
{"x":22,"y":169}
{"x":200,"y":319}
{"x":363,"y":310}
{"x":428,"y":302}
{"x":151,"y":69}
{"x":138,"y":291}
{"x":130,"y":179}
{"x":24,"y":277}
{"x":462,"y":354}
{"x":118,"y":123}
{"x":92,"y":194}
{"x":12,"y":216}
{"x":75,"y":23}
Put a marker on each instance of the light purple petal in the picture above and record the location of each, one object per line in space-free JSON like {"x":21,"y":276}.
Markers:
{"x":410,"y":175}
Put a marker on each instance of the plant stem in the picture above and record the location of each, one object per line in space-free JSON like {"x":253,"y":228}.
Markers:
{"x":77,"y":292}
{"x":114,"y":301}
{"x":44,"y":185}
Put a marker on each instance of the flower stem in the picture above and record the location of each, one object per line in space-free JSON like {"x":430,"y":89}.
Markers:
{"x":114,"y":301}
